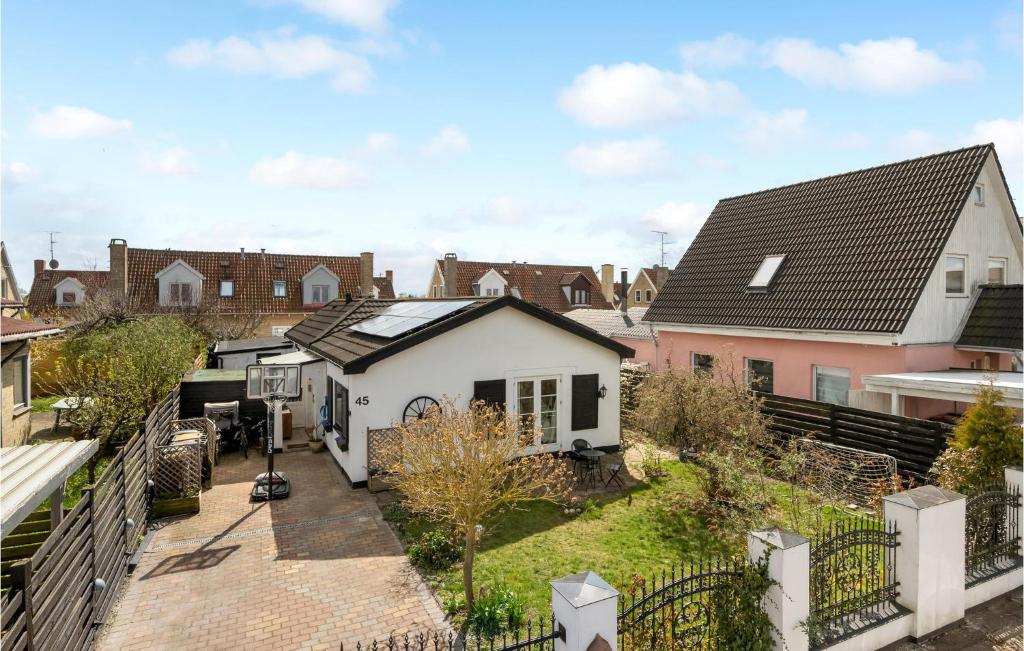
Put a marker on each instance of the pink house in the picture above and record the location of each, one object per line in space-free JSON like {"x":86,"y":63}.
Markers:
{"x":876,"y":273}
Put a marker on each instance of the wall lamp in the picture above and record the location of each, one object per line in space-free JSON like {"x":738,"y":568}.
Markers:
{"x":602,"y":392}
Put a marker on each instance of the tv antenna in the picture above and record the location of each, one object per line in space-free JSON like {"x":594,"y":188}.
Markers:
{"x":53,"y":259}
{"x":662,"y":234}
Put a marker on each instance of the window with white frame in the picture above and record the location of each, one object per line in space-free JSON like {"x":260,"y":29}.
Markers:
{"x":636,"y":296}
{"x":761,"y":374}
{"x":320,"y":293}
{"x":979,"y":195}
{"x":832,"y":384}
{"x":68,"y":298}
{"x":492,"y":291}
{"x":227,"y":288}
{"x":648,"y":295}
{"x":997,"y":271}
{"x":956,"y":275}
{"x":21,"y":379}
{"x":702,"y":362}
{"x":180,"y":294}
{"x":280,"y":289}
{"x":537,"y":407}
{"x":765,"y":273}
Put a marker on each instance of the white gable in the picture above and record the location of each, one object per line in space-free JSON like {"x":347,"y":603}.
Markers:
{"x":320,"y":271}
{"x":69,"y":285}
{"x":178,"y":266}
{"x":491,"y":284}
{"x":179,"y":273}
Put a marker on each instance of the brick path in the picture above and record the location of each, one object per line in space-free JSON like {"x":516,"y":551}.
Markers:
{"x":992,"y":626}
{"x":311,"y":571}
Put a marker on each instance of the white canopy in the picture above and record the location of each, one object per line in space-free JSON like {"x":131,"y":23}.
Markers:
{"x":297,"y":357}
{"x":954,"y":385}
{"x":31,"y":473}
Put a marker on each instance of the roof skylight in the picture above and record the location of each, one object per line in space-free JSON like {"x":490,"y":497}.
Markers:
{"x":765,"y":273}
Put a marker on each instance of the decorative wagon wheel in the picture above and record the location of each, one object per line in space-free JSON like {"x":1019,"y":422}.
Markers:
{"x":417,"y":408}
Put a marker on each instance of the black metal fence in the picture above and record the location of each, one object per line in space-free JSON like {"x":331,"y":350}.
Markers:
{"x":853,"y":579}
{"x":531,"y":636}
{"x":678,"y":610}
{"x":992,"y":533}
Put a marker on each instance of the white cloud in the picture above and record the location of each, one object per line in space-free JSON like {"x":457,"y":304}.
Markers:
{"x":725,"y":51}
{"x":280,"y":54}
{"x":294,"y":170}
{"x":367,"y":15}
{"x":1008,"y":137}
{"x":681,"y":220}
{"x":70,"y":122}
{"x":175,"y":161}
{"x":644,"y":158}
{"x":449,"y":141}
{"x":895,"y":65}
{"x":768,"y":130}
{"x":630,"y":94}
{"x":18,"y":173}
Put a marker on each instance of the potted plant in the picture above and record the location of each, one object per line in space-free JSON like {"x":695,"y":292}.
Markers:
{"x":316,"y":442}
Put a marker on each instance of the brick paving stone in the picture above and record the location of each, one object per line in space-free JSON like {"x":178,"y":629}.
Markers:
{"x":992,"y":626}
{"x":223,"y":579}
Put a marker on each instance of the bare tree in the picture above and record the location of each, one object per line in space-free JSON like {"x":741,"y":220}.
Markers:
{"x":464,"y":467}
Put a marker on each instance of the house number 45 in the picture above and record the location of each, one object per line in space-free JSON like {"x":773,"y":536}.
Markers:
{"x":363,"y":400}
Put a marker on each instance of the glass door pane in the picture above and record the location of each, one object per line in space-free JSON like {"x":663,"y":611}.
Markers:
{"x":525,"y":405}
{"x":549,"y":410}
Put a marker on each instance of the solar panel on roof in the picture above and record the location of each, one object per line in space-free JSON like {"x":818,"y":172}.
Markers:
{"x":402,"y":317}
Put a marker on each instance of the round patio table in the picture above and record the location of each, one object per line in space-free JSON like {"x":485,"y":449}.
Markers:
{"x":593,"y":459}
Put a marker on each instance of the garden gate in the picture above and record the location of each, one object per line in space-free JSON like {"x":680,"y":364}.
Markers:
{"x":992,"y":541}
{"x":853,"y":579}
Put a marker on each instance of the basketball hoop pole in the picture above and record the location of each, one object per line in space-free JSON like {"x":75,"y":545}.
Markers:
{"x":271,"y":402}
{"x":274,"y":384}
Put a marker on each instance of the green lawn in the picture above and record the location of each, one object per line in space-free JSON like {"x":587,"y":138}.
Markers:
{"x":44,"y":403}
{"x":525,"y":549}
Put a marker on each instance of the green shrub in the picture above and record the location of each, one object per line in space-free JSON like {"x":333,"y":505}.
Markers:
{"x":395,"y":512}
{"x":986,"y":439}
{"x":434,"y":551}
{"x":590,"y":509}
{"x":496,"y":610}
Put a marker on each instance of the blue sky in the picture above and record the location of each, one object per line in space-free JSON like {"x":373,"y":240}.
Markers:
{"x":546,"y":132}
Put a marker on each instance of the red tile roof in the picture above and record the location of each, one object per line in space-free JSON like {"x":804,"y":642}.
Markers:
{"x":253,"y":274}
{"x":10,"y":326}
{"x":540,"y":284}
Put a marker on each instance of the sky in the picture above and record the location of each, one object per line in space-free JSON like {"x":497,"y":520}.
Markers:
{"x":532,"y":131}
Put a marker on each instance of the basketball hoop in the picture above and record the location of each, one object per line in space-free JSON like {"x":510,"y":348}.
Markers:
{"x":274,"y":384}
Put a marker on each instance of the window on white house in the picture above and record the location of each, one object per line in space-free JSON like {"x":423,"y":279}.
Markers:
{"x":180,"y":293}
{"x":278,"y":331}
{"x":21,"y":380}
{"x":764,"y":274}
{"x":956,"y":275}
{"x":493,"y":291}
{"x":761,"y":375}
{"x":68,"y":298}
{"x":702,"y":362}
{"x":996,"y":271}
{"x":537,"y":406}
{"x":280,"y":289}
{"x":227,"y":288}
{"x":319,"y":293}
{"x":648,"y":295}
{"x":832,"y":384}
{"x":979,"y":195}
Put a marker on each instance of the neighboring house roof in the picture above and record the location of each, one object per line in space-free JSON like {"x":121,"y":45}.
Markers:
{"x":12,"y":282}
{"x":385,"y":288}
{"x":9,"y":302}
{"x":329,"y":331}
{"x":12,"y":329}
{"x":614,"y":323}
{"x":43,"y":297}
{"x":537,"y":283}
{"x":255,"y":343}
{"x":859,"y":248}
{"x":995,"y":321}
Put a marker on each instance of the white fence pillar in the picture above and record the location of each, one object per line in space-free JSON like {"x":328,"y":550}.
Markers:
{"x":788,"y":602}
{"x":587,"y":607}
{"x":930,"y":557}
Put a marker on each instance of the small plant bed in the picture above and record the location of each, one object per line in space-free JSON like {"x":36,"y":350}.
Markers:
{"x":638,"y":532}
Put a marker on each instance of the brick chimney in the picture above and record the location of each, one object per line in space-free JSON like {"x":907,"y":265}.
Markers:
{"x":38,"y":266}
{"x":366,"y":273}
{"x":451,"y":271}
{"x":389,"y":276}
{"x":624,"y":299}
{"x":117,"y":280}
{"x":660,"y":276}
{"x":608,"y":282}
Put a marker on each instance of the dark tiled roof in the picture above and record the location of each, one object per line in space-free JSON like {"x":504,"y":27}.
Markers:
{"x":859,"y":249}
{"x":328,"y":331}
{"x":540,"y":284}
{"x":996,"y":321}
{"x":10,"y":326}
{"x":42,"y":297}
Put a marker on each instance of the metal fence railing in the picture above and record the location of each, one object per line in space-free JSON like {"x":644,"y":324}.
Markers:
{"x":992,"y":544}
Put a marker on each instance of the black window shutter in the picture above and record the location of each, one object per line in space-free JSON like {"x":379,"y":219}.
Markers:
{"x":584,"y":402}
{"x":491,"y":392}
{"x":329,"y":425}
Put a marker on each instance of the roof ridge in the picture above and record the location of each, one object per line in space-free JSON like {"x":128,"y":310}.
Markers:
{"x":239,"y":253}
{"x":990,"y":146}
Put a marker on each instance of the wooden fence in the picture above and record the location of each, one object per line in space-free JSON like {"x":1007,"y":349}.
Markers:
{"x":913,"y":442}
{"x":60,"y":594}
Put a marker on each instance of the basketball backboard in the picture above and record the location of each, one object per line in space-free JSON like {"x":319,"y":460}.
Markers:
{"x":277,"y":380}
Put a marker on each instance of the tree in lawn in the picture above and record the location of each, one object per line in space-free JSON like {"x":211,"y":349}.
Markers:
{"x":987,"y":438}
{"x":463,"y":468}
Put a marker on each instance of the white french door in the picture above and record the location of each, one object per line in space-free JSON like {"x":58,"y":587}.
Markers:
{"x":537,"y":406}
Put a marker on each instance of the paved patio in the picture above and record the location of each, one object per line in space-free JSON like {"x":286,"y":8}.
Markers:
{"x":992,"y":626}
{"x":308,"y":572}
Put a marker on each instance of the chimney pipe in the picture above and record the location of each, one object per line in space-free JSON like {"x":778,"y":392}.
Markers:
{"x":242,"y":249}
{"x":608,"y":282}
{"x":117,"y":279}
{"x":390,"y":276}
{"x":660,"y":276}
{"x":624,"y":298}
{"x":366,"y":273}
{"x":451,"y":272}
{"x":39,"y":266}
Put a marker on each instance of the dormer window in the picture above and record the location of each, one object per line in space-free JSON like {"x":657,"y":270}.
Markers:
{"x":227,"y":288}
{"x":765,"y":273}
{"x":581,"y":297}
{"x":280,"y":289}
{"x":67,"y":298}
{"x":319,"y":293}
{"x":180,"y":293}
{"x":979,"y":195}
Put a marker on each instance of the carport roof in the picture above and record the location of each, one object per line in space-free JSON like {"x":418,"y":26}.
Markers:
{"x":329,"y":331}
{"x":30,"y":473}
